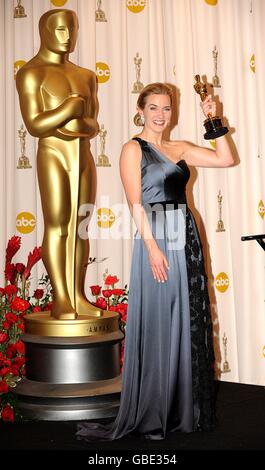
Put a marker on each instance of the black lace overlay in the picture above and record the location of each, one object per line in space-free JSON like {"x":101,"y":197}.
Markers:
{"x":201,"y":330}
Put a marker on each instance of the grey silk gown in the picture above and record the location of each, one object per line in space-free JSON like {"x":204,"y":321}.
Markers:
{"x":167,"y":382}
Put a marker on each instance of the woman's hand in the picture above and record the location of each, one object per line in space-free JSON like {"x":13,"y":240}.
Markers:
{"x":208,"y":106}
{"x":159,"y":264}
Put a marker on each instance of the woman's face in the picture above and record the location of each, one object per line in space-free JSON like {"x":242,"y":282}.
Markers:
{"x":157,"y":112}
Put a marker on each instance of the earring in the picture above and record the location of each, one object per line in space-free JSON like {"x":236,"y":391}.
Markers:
{"x":142,"y":119}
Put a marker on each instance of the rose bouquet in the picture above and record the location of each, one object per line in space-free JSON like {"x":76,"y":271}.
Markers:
{"x":15,"y":303}
{"x":111,"y":298}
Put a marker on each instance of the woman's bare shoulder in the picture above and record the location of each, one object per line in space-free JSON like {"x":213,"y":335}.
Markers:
{"x":131,"y":144}
{"x":131,"y":149}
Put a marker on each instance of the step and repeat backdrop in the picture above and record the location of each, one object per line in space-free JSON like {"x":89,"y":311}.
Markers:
{"x":130,"y":43}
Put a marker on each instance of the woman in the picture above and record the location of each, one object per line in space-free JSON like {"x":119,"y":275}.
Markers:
{"x":168,"y":369}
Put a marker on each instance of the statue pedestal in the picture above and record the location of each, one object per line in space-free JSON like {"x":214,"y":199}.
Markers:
{"x":70,"y":377}
{"x":66,"y":402}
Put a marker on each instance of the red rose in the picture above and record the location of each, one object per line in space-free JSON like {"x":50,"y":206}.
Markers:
{"x":10,"y":290}
{"x":6,"y":325}
{"x":95,"y":290}
{"x":122,"y":308}
{"x":20,"y":267}
{"x":7,"y":363}
{"x":101,"y":303}
{"x":11,"y":351}
{"x":19,"y":305}
{"x":107,"y":293}
{"x":21,"y":326}
{"x":11,"y":318}
{"x":118,"y":291}
{"x":38,"y":293}
{"x":3,"y":338}
{"x":112,"y":308}
{"x":37,"y":308}
{"x":7,"y":413}
{"x":19,"y":360}
{"x":2,"y":357}
{"x":110,"y":280}
{"x":4,"y":371}
{"x":48,"y":307}
{"x":2,"y":291}
{"x":3,"y":386}
{"x":14,"y":369}
{"x":20,"y":347}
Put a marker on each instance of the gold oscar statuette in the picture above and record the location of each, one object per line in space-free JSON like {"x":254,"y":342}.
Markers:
{"x":23,"y":161}
{"x":19,"y":11}
{"x":59,"y":105}
{"x":216,"y":79}
{"x":103,"y":160}
{"x":100,"y":14}
{"x":213,"y":124}
{"x":220,"y":223}
{"x":138,"y":85}
{"x":226,"y":367}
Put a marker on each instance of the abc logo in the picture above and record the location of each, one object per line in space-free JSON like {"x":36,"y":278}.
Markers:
{"x":103,"y":72}
{"x":105,"y":217}
{"x":222,"y":282}
{"x":261,"y":209}
{"x":252,"y":63}
{"x":17,"y":65}
{"x":135,"y":6}
{"x":58,"y":3}
{"x":25,"y":222}
{"x":211,"y":2}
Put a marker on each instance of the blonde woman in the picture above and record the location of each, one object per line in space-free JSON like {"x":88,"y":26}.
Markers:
{"x":168,"y":378}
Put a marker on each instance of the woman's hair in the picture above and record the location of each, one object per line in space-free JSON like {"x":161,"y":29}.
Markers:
{"x":151,"y":89}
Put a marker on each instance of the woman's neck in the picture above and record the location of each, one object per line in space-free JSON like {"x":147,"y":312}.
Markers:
{"x":152,"y":137}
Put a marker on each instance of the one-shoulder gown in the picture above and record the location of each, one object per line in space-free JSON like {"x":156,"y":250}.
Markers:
{"x":168,"y":372}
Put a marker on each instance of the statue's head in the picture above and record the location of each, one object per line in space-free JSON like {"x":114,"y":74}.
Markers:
{"x":58,"y":30}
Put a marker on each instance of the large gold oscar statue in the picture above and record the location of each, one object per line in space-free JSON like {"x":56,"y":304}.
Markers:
{"x":59,"y":105}
{"x":73,"y":353}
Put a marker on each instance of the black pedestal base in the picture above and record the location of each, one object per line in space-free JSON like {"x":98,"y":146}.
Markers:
{"x":71,"y":378}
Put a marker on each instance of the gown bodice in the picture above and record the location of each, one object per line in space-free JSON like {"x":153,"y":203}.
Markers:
{"x":162,"y":180}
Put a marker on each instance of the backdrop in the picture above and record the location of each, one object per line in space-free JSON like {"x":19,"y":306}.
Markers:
{"x":142,"y":41}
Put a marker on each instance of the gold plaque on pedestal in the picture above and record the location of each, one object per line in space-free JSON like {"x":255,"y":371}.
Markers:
{"x":43,"y":324}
